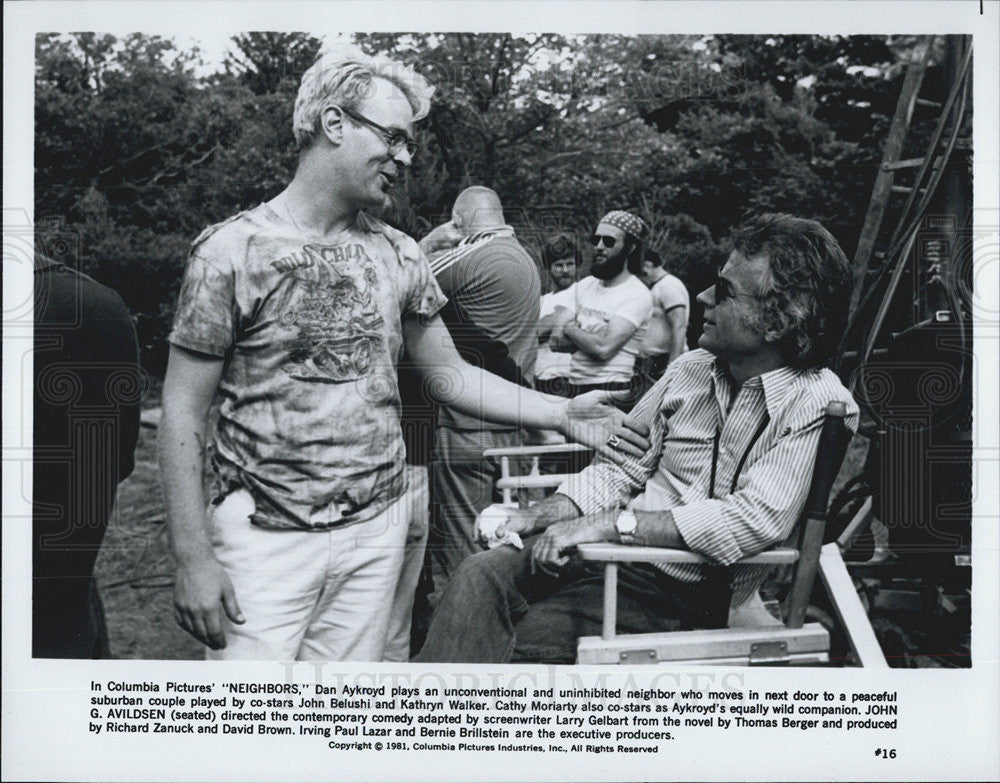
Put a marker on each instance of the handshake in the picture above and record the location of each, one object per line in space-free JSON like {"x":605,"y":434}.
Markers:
{"x":497,"y":525}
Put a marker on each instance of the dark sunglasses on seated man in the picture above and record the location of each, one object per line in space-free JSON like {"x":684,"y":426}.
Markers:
{"x":724,"y":289}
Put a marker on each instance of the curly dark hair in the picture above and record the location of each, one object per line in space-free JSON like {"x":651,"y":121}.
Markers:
{"x":561,"y":246}
{"x":807,"y":291}
{"x":650,"y":255}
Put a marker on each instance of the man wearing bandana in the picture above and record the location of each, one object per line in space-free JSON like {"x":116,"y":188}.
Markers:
{"x":608,"y":311}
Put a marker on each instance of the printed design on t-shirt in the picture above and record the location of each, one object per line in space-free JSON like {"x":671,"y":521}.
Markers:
{"x":591,"y":320}
{"x":333,"y":307}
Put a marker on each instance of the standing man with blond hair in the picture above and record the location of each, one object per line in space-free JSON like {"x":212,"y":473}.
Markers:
{"x":296,"y":312}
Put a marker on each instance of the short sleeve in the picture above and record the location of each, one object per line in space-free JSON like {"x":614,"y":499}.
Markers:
{"x":672,"y":294}
{"x":422,"y":295}
{"x":205,"y":317}
{"x":546,"y":305}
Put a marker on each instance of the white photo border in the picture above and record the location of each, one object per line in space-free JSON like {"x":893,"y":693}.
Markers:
{"x":951,"y":718}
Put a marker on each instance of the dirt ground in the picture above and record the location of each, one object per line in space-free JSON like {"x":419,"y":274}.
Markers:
{"x":135,"y":570}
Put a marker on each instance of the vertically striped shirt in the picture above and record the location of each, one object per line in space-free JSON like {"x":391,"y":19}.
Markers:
{"x":684,"y":410}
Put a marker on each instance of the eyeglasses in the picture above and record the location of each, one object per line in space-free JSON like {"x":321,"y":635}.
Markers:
{"x":395,"y":140}
{"x":724,"y":289}
{"x":603,"y":239}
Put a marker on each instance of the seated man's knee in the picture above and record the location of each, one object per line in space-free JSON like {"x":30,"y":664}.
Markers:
{"x":487,"y":565}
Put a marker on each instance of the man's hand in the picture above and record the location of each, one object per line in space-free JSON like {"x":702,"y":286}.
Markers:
{"x":554,"y":546}
{"x":444,"y":237}
{"x":559,"y":342}
{"x":202,"y":591}
{"x":562,"y":316}
{"x":593,"y":420}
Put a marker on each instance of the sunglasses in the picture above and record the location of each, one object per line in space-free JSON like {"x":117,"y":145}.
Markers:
{"x":603,"y":239}
{"x":724,"y":289}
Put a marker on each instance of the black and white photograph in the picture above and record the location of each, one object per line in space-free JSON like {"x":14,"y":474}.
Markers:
{"x":530,"y":401}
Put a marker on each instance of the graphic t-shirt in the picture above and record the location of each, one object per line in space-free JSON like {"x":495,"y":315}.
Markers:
{"x":668,"y":293}
{"x":311,"y":333}
{"x":594,"y":304}
{"x":549,"y":363}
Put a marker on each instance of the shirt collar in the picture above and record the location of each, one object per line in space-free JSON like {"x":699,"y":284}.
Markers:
{"x":489,"y":233}
{"x":366,"y":222}
{"x":776,"y":384}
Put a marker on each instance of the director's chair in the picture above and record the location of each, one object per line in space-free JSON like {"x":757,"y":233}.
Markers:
{"x":513,"y":486}
{"x":753,"y":636}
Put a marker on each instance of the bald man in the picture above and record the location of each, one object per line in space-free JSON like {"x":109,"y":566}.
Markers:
{"x":493,"y":291}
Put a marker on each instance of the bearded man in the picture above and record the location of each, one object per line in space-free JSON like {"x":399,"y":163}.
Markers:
{"x":604,"y":316}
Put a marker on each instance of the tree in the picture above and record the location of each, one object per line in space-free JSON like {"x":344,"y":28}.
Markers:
{"x":271,"y":62}
{"x":124,"y":135}
{"x":137,"y":154}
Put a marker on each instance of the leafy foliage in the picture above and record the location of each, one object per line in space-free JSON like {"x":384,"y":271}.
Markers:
{"x":137,"y":152}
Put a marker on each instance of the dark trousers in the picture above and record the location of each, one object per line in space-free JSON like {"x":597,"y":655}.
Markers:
{"x":463,"y":483}
{"x":647,"y":372}
{"x":558,"y":387}
{"x":498,"y":608}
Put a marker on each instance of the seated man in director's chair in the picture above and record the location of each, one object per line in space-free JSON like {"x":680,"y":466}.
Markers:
{"x":734,"y":432}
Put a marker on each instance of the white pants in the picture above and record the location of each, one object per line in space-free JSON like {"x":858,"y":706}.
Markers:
{"x":309,"y":595}
{"x":397,"y":647}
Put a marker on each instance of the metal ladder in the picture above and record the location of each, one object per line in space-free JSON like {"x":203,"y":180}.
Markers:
{"x":930,"y":169}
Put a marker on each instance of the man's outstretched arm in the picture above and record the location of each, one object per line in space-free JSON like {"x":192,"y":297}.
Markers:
{"x":202,"y":591}
{"x":590,"y":419}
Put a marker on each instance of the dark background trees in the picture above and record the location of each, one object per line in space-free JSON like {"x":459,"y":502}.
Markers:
{"x":137,"y":150}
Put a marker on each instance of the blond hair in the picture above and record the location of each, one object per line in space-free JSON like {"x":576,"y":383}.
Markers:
{"x":343,"y":75}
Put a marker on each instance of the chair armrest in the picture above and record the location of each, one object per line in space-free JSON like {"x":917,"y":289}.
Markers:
{"x":535,"y":451}
{"x":620,"y":553}
{"x":533,"y":482}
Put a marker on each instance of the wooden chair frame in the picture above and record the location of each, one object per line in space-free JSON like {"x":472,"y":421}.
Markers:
{"x":509,"y":483}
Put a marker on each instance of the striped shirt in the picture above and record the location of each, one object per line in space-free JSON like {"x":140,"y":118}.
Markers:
{"x":446,"y":258}
{"x":684,"y":410}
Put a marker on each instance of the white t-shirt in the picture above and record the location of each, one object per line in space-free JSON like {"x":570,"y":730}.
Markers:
{"x":593,"y":304}
{"x":668,"y":292}
{"x":550,"y":364}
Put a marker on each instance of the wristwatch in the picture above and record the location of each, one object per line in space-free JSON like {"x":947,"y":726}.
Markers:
{"x":626,"y":525}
